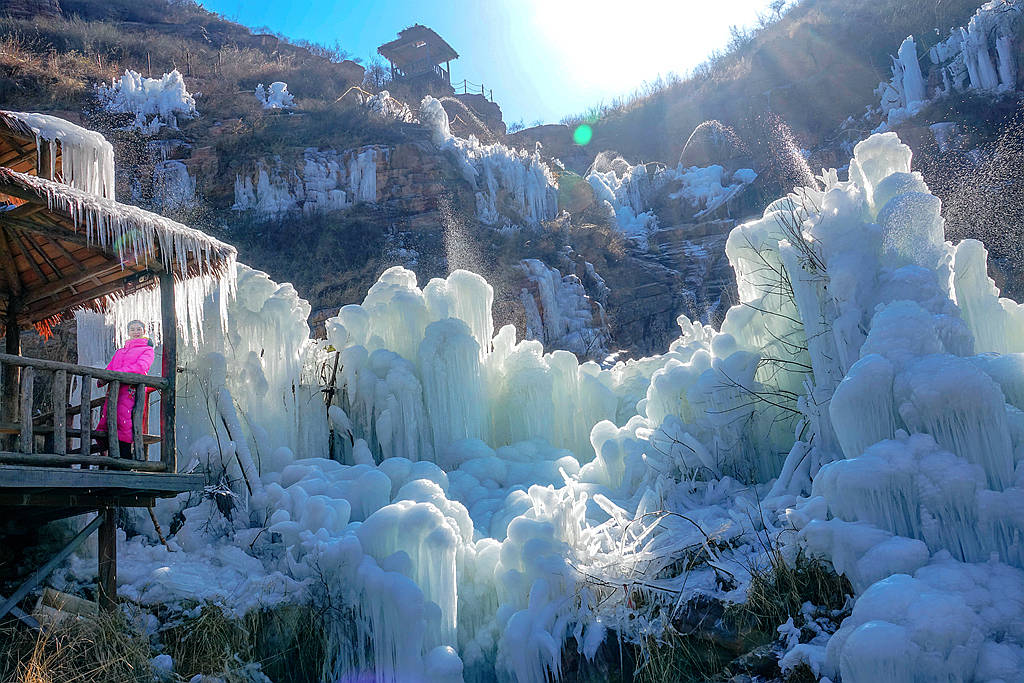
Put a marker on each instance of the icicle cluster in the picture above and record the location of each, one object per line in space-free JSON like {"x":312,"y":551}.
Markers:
{"x":560,"y":314}
{"x":512,"y":187}
{"x":325,"y":181}
{"x":978,"y":56}
{"x":87,"y":159}
{"x":628,"y":190}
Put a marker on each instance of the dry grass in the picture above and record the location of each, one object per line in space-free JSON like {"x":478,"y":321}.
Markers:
{"x":207,"y":643}
{"x":777,"y":594}
{"x":75,"y":651}
{"x":285,"y":643}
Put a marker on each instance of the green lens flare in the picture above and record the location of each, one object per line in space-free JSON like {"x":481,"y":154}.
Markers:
{"x":582,"y":134}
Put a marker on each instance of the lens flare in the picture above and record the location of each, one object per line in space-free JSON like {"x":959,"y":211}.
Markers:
{"x":581,"y":136}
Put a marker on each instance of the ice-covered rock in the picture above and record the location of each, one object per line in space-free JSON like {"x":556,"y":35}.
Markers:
{"x":512,"y":187}
{"x":155,"y":102}
{"x":275,"y":96}
{"x":325,"y":180}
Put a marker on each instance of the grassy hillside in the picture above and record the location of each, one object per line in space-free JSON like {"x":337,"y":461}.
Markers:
{"x":812,"y":68}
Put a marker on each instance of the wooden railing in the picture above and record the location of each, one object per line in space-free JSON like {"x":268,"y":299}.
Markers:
{"x":27,"y":425}
{"x":468,"y":88}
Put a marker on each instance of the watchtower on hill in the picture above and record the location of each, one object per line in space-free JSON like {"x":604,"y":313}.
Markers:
{"x":422,"y":59}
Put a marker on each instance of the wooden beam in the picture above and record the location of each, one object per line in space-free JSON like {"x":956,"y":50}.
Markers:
{"x":54,"y":460}
{"x":83,"y":501}
{"x":85,"y":417}
{"x":113,"y":399}
{"x":169,"y":370}
{"x":53,"y":232}
{"x":52,"y":479}
{"x":40,"y":293}
{"x":16,"y":154}
{"x":32,"y":314}
{"x":138,"y":449}
{"x":107,"y":375}
{"x":42,"y":253}
{"x":67,"y":254}
{"x":60,"y":417}
{"x":10,"y":374}
{"x":26,"y":442}
{"x":15,"y":239}
{"x":44,"y":571}
{"x":44,"y":164}
{"x":8,"y":265}
{"x":107,"y":576}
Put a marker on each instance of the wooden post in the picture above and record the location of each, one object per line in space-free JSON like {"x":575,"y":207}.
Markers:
{"x":107,"y":576}
{"x":25,"y":442}
{"x":45,"y":166}
{"x":60,"y":412}
{"x":138,"y":450}
{"x":169,"y":370}
{"x":113,"y":393}
{"x":85,"y":414}
{"x":11,"y":373}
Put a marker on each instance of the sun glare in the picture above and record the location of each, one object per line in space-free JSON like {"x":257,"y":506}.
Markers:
{"x":615,"y":46}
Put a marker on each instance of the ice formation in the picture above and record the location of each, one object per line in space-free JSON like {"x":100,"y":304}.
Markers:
{"x":484,"y":505}
{"x":173,"y":188}
{"x":384,"y":106}
{"x":559,"y":312}
{"x":87,"y":159}
{"x":512,"y":187}
{"x":325,"y":180}
{"x":628,"y":190}
{"x":276,"y":96}
{"x":155,"y":102}
{"x":978,"y":56}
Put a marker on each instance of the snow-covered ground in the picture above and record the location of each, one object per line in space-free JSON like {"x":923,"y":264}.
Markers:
{"x":489,"y":504}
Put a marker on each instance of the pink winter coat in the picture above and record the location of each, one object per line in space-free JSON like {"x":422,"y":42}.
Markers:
{"x":135,"y":356}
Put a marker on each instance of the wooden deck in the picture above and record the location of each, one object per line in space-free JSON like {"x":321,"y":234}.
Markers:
{"x":57,"y":492}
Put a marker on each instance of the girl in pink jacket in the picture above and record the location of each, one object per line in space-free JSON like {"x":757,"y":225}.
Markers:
{"x":135,"y":356}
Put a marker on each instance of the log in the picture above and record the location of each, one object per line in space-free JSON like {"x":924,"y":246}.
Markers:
{"x":52,"y":460}
{"x":138,"y":450}
{"x":106,"y":375}
{"x":26,"y":441}
{"x":107,"y":577}
{"x":113,"y":394}
{"x":85,"y":418}
{"x":169,"y":369}
{"x":60,"y":418}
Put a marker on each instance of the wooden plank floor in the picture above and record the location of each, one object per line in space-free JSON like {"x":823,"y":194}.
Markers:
{"x":38,"y":494}
{"x":113,"y":481}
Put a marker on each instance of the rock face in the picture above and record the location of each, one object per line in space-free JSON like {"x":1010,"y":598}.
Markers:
{"x":697,"y":253}
{"x":26,"y":9}
{"x":488,"y":111}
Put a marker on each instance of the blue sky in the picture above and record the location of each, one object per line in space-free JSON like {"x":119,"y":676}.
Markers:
{"x":544,"y":59}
